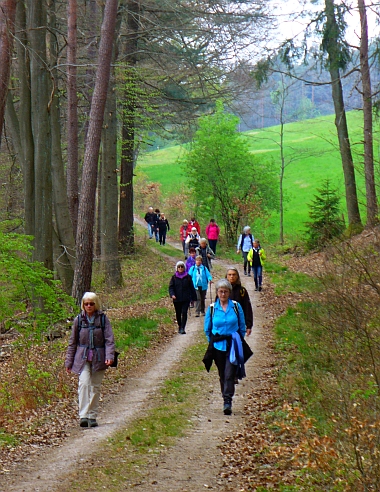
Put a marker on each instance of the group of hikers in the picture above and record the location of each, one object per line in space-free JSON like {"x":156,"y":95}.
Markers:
{"x":158,"y":225}
{"x":227,"y":321}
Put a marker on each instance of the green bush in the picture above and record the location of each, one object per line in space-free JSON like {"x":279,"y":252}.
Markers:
{"x":30,"y":295}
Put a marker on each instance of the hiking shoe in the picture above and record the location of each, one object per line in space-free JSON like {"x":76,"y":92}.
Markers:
{"x":256,"y":289}
{"x":83,"y":422}
{"x":249,"y":275}
{"x":245,"y":273}
{"x":92,"y":423}
{"x":197,"y":315}
{"x":227,"y":409}
{"x":260,"y":288}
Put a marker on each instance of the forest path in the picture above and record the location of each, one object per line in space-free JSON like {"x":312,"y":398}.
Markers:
{"x":194,"y":462}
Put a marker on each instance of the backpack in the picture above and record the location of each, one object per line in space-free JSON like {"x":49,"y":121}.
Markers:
{"x":242,"y":240}
{"x":102,"y":326}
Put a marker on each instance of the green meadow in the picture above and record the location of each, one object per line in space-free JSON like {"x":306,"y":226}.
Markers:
{"x":311,"y":156}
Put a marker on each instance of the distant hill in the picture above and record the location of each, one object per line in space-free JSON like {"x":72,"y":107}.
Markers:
{"x":311,"y":155}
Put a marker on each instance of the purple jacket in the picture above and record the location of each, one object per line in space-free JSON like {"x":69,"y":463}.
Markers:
{"x":104,"y":345}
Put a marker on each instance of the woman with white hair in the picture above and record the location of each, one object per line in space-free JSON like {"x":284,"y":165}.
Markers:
{"x":90,"y":352}
{"x":182,"y":292}
{"x":206,"y":252}
{"x":225,"y":325}
{"x":245,"y":243}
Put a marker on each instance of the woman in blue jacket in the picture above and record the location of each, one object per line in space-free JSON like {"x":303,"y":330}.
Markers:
{"x":201,"y":277}
{"x":222,"y":323}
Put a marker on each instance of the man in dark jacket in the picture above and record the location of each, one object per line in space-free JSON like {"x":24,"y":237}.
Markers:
{"x":151,"y":219}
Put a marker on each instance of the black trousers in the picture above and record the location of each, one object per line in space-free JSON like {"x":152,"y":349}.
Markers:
{"x":227,"y":373}
{"x":246,"y":262}
{"x":181,"y":313}
{"x":201,"y":300}
{"x":162,"y":236}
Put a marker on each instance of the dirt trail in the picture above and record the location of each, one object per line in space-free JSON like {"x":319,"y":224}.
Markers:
{"x":194,"y":463}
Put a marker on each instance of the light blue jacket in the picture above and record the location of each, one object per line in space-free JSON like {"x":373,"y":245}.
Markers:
{"x":224,"y":322}
{"x":205,"y":276}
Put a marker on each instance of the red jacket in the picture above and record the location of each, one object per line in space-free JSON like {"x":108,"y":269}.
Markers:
{"x":184,"y":231}
{"x":212,"y":231}
{"x":195,"y":224}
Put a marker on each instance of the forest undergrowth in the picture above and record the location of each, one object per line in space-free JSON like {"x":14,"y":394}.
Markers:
{"x":312,"y":422}
{"x":319,"y":427}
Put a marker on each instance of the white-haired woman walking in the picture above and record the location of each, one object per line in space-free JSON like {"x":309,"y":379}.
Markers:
{"x":245,"y":243}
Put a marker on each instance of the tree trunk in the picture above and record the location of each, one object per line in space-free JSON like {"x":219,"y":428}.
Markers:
{"x":7,"y":28}
{"x":64,"y":244}
{"x":126,"y":237}
{"x":86,"y":215}
{"x":340,"y":118}
{"x":21,"y":125}
{"x":367,"y":118}
{"x":109,"y":194}
{"x":72,"y":115}
{"x":41,"y":92}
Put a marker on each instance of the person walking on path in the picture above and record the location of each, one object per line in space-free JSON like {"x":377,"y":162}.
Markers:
{"x":245,"y":243}
{"x":256,"y":258}
{"x":194,"y":223}
{"x":192,"y":241}
{"x":224,"y":326}
{"x":182,"y":292}
{"x":90,"y":352}
{"x":212,"y":233}
{"x":190,"y":259}
{"x":240,"y":295}
{"x":162,"y":228}
{"x":201,"y":278}
{"x":205,"y":252}
{"x":151,"y":219}
{"x":184,"y":231}
{"x":158,"y":215}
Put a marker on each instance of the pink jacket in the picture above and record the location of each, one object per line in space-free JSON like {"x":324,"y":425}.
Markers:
{"x":212,"y":231}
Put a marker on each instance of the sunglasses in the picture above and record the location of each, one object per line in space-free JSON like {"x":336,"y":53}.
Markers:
{"x":180,"y":266}
{"x":89,"y":303}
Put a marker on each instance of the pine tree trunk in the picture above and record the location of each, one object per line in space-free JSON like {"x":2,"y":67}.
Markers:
{"x":86,"y":215}
{"x":340,"y":118}
{"x":367,"y":117}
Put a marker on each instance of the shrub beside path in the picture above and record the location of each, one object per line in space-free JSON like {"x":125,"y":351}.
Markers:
{"x":195,"y":462}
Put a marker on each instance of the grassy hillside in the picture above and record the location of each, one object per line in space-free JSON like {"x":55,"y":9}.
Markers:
{"x":311,"y":154}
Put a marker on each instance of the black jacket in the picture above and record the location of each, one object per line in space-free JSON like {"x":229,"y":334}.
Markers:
{"x":182,"y":288}
{"x":240,"y":295}
{"x":163,"y":225}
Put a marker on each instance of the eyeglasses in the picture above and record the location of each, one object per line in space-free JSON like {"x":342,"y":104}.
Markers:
{"x":89,"y":303}
{"x":180,"y":266}
{"x":223,"y":291}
